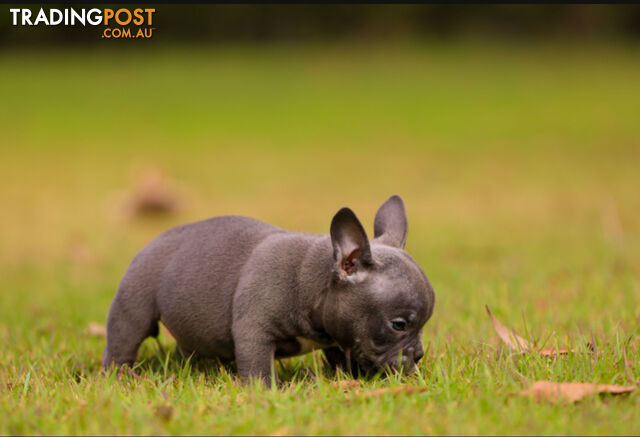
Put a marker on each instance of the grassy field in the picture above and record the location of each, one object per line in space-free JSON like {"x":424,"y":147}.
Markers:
{"x":518,"y":166}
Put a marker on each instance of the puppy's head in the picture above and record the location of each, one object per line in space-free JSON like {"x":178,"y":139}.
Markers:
{"x":379,"y":297}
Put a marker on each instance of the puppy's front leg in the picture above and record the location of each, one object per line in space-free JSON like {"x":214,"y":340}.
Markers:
{"x":255,"y":359}
{"x":338,"y":360}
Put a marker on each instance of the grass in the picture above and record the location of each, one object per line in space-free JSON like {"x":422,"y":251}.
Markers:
{"x":518,"y":165}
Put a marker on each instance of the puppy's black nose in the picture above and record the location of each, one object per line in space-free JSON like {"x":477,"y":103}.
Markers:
{"x":417,"y":356}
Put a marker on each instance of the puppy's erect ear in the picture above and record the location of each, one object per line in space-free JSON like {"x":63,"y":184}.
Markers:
{"x":390,"y":224}
{"x":350,"y":243}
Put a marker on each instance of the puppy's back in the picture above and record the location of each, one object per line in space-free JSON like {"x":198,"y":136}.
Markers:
{"x":189,"y":275}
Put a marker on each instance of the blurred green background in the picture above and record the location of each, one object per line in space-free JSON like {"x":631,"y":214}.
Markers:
{"x":511,"y":132}
{"x":515,"y":149}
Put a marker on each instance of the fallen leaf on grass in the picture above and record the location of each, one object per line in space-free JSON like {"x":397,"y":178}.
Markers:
{"x":551,"y":352}
{"x":569,"y":392}
{"x":97,"y":329}
{"x":153,"y":193}
{"x":165,"y":412}
{"x":510,"y":338}
{"x":519,"y":344}
{"x":401,"y":389}
{"x":346,"y":384}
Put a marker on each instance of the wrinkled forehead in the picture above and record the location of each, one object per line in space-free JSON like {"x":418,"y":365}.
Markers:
{"x":398,"y":277}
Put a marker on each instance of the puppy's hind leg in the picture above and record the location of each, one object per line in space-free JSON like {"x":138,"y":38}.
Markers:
{"x":132,"y":318}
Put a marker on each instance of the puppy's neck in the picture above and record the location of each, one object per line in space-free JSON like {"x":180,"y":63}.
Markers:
{"x":314,"y":278}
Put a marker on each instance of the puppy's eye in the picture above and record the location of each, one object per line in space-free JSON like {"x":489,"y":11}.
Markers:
{"x":399,"y":324}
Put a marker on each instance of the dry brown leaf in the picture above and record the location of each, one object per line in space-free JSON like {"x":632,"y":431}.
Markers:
{"x":401,"y":389}
{"x":346,"y":385}
{"x":568,"y":392}
{"x":552,"y":352}
{"x":152,"y":193}
{"x":512,"y":340}
{"x":519,"y":344}
{"x":97,"y":329}
{"x":165,"y":412}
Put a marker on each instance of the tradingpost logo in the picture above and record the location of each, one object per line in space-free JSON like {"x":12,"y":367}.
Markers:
{"x":120,"y":23}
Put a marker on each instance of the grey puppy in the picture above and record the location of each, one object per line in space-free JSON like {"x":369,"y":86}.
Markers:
{"x":237,"y":288}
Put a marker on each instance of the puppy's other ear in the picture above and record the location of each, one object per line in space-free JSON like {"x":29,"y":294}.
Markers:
{"x":350,"y":243}
{"x":390,"y":224}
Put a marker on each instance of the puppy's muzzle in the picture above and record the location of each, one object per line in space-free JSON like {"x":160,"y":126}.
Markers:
{"x":405,"y":362}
